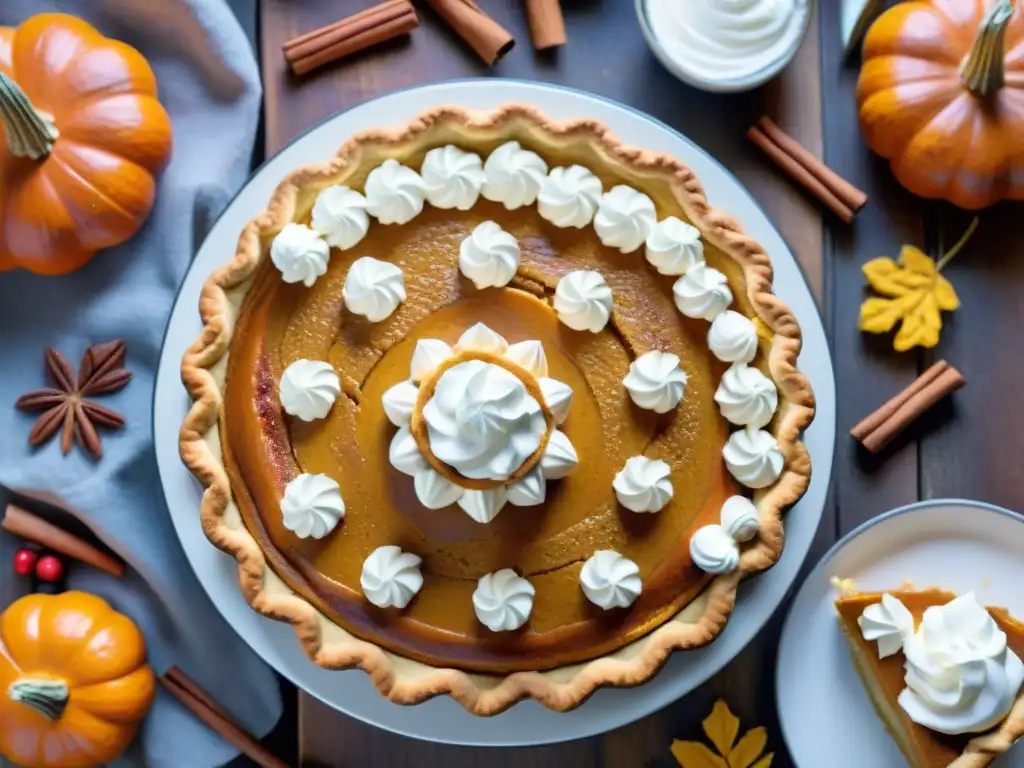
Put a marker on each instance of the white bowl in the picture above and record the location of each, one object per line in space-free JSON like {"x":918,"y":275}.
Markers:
{"x":696,"y":79}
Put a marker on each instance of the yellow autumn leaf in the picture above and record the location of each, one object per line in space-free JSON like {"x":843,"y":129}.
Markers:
{"x":721,"y":727}
{"x":764,"y":762}
{"x":748,"y":748}
{"x":693,"y":754}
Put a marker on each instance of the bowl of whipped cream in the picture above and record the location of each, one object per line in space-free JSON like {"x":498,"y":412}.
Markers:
{"x":724,"y":45}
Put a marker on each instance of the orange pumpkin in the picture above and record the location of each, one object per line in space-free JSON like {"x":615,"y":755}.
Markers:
{"x":941,"y":96}
{"x":74,"y":684}
{"x":82,"y":138}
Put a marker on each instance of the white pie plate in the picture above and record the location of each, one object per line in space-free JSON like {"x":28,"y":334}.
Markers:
{"x":826,"y":715}
{"x":442,"y":719}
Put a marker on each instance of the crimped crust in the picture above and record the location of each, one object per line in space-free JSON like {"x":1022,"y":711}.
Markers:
{"x":400,"y":679}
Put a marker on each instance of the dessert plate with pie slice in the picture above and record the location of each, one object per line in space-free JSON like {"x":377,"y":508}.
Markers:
{"x":496,"y":414}
{"x":923,"y":557}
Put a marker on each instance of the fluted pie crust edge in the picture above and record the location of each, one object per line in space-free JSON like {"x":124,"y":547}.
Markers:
{"x":400,"y":679}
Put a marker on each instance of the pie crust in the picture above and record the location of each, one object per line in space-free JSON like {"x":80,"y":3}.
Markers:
{"x":403,"y":680}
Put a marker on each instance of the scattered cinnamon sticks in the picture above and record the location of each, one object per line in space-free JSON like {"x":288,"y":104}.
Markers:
{"x":25,"y":525}
{"x":878,"y":429}
{"x":488,"y":38}
{"x":195,"y":699}
{"x":349,"y":35}
{"x":547,"y":26}
{"x":837,"y":194}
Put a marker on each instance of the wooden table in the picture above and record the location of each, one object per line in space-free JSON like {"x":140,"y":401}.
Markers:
{"x":969,"y":448}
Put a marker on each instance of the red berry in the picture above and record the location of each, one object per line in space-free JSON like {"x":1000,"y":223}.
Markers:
{"x":49,"y":568}
{"x":25,"y":562}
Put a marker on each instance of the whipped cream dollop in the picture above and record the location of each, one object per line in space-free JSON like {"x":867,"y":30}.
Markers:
{"x":643,"y":484}
{"x":739,"y":518}
{"x":503,"y":600}
{"x":299,"y":254}
{"x":483,"y":506}
{"x":530,"y":356}
{"x":886,"y":623}
{"x":489,"y":256}
{"x":720,"y":41}
{"x":404,"y":453}
{"x":530,"y":490}
{"x":583,"y":300}
{"x":732,"y":337}
{"x":713,"y":550}
{"x":746,"y":396}
{"x":482,"y":420}
{"x":569,"y":196}
{"x":434,"y":490}
{"x":312,"y":506}
{"x":308,"y":389}
{"x":702,"y":293}
{"x":394,"y":193}
{"x":753,"y":457}
{"x":557,"y":396}
{"x":674,"y":247}
{"x":373,"y":288}
{"x":559,"y":458}
{"x":339,"y":214}
{"x":624,"y":218}
{"x":655,"y":381}
{"x":513,"y":176}
{"x":426,"y":357}
{"x":391,"y":577}
{"x":453,"y":177}
{"x":961,"y":676}
{"x":610,"y":580}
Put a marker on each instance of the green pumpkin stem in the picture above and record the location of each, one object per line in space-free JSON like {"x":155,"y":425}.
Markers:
{"x":30,"y":132}
{"x":984,"y":69}
{"x":47,"y":697}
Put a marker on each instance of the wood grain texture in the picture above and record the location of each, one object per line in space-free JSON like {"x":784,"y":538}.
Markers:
{"x":606,"y":55}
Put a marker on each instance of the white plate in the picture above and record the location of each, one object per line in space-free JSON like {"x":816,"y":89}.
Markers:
{"x":442,"y":719}
{"x":916,"y":543}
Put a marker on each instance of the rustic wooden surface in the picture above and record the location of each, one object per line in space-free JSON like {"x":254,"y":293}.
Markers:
{"x":964,"y":450}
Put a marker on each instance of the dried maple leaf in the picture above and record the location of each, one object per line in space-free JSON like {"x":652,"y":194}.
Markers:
{"x":722,"y":727}
{"x":915,"y":294}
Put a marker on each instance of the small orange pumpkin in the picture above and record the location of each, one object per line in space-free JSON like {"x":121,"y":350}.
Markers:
{"x":941,"y":96}
{"x":74,"y":684}
{"x":82,"y":138}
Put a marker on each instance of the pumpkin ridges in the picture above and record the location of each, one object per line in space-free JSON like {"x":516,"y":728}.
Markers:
{"x":94,"y":664}
{"x":90,"y":78}
{"x":23,"y":613}
{"x":40,"y":76}
{"x":889,"y":137}
{"x":121,"y":700}
{"x":125,"y":188}
{"x":914,"y":29}
{"x":145,"y":142}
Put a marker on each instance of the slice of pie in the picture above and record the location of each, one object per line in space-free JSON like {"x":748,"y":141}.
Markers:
{"x":944,"y":673}
{"x":496,"y":407}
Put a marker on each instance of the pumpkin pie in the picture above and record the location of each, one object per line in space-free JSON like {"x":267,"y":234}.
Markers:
{"x":943,"y":672}
{"x":496,"y":407}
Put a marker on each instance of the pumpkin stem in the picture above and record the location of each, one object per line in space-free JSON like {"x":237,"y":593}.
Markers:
{"x":983,"y":70}
{"x":30,"y":133}
{"x":47,"y":697}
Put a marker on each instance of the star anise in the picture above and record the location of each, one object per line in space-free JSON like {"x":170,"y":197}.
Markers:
{"x":64,"y":406}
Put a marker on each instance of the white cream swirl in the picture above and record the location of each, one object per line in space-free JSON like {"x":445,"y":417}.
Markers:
{"x":482,"y":421}
{"x":435,"y":491}
{"x":624,"y":218}
{"x":559,"y":458}
{"x":753,"y":457}
{"x":373,"y":288}
{"x":300,"y":254}
{"x":312,"y":506}
{"x":513,"y":176}
{"x":394,"y":193}
{"x":739,"y":518}
{"x":732,"y":337}
{"x":489,"y":256}
{"x":569,"y":196}
{"x":530,"y":490}
{"x":453,"y":177}
{"x":746,"y":396}
{"x":610,"y":580}
{"x":655,"y":381}
{"x":391,"y":577}
{"x":339,"y":214}
{"x":702,"y":293}
{"x":674,"y":247}
{"x":888,"y":623}
{"x":308,"y":389}
{"x":557,"y":397}
{"x":583,"y":300}
{"x":713,"y":550}
{"x":643,"y":484}
{"x":503,"y":600}
{"x":483,"y":506}
{"x":428,"y":354}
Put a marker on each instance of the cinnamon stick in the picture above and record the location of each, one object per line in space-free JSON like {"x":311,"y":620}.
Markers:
{"x":198,"y":701}
{"x":878,"y":429}
{"x":801,"y":175}
{"x":547,"y":26}
{"x":24,"y":524}
{"x":844,"y":190}
{"x":484,"y":35}
{"x":349,"y":35}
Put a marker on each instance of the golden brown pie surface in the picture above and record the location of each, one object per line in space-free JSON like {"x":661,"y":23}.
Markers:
{"x":931,"y":749}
